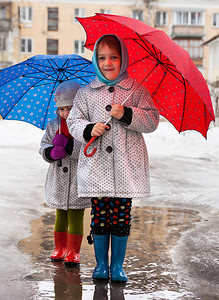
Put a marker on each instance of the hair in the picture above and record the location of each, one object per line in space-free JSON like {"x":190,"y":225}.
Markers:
{"x":111,"y":41}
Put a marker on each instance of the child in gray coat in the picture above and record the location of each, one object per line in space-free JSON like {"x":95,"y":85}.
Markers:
{"x":57,"y":146}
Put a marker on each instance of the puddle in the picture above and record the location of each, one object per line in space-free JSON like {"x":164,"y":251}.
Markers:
{"x":148,"y":264}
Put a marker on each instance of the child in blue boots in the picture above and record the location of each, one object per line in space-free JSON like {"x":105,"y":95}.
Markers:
{"x":119,"y":170}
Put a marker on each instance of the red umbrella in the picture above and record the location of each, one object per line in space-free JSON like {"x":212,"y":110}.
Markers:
{"x":177,"y":87}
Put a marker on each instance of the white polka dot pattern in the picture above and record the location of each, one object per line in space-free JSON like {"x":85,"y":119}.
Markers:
{"x":61,"y":182}
{"x":177,"y":87}
{"x":26,"y":89}
{"x":119,"y":168}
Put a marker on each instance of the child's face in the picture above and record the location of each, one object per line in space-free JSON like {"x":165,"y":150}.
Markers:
{"x":109,"y":61}
{"x":64,"y":111}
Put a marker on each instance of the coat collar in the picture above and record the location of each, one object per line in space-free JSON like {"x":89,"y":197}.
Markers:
{"x":125,"y":84}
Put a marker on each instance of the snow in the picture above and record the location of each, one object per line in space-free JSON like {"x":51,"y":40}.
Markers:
{"x":186,"y":150}
{"x":19,"y":145}
{"x":166,"y":141}
{"x":184,"y":168}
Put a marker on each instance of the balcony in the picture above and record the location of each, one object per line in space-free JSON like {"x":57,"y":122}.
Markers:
{"x":180,"y":31}
{"x":5,"y":25}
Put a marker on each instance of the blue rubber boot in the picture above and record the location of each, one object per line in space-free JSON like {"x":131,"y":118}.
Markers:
{"x":101,"y":248}
{"x":118,"y":249}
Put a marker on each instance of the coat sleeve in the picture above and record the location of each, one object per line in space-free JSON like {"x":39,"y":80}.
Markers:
{"x":47,"y":139}
{"x":78,"y":117}
{"x":145,"y":116}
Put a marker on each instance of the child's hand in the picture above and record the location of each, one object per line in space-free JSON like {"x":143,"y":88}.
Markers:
{"x":99,"y":129}
{"x":58,"y":152}
{"x":117,"y":111}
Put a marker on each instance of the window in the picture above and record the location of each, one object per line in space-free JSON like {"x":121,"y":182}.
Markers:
{"x":105,"y":11}
{"x":26,"y":45}
{"x":137,"y":14}
{"x":52,"y":47}
{"x":188,"y":18}
{"x":2,"y":12}
{"x":53,"y":19}
{"x":78,"y":47}
{"x":192,"y":46}
{"x":216,"y":20}
{"x":2,"y":42}
{"x":79,"y":12}
{"x":161,"y":18}
{"x":26,"y":14}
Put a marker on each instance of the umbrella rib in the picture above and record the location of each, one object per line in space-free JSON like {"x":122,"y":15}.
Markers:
{"x":23,"y":95}
{"x":35,"y":85}
{"x":140,"y":59}
{"x":59,"y":69}
{"x":158,"y":86}
{"x":52,"y":68}
{"x":171,"y":71}
{"x":47,"y":108}
{"x":46,"y":113}
{"x":145,"y":47}
{"x":46,"y":75}
{"x":184,"y":104}
{"x":173,"y":68}
{"x":205,"y":114}
{"x":51,"y":95}
{"x":75,"y":71}
{"x":156,"y":55}
{"x":54,"y":77}
{"x":38,"y":70}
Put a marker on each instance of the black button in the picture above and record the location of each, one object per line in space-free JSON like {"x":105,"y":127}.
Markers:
{"x":111,"y":89}
{"x":108,"y":107}
{"x":65,"y":169}
{"x":109,"y":149}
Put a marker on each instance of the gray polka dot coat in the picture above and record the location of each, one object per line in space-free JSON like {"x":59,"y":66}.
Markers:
{"x":61,"y":182}
{"x":120,"y":166}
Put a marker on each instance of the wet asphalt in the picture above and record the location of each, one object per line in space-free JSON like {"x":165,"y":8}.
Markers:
{"x":173,"y":248}
{"x":148,"y":261}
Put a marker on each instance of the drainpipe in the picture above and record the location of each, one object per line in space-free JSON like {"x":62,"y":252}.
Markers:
{"x":19,"y":37}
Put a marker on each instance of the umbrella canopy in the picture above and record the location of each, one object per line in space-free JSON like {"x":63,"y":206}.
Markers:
{"x":177,"y":87}
{"x":26,"y":89}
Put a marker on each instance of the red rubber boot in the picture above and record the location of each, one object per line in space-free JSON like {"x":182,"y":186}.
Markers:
{"x":61,"y":239}
{"x":73,"y":252}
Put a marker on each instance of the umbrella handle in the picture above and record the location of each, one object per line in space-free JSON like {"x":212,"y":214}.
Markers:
{"x":59,"y":162}
{"x":88,"y":144}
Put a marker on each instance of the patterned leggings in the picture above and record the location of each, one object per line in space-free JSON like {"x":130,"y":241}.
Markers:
{"x":111,"y":216}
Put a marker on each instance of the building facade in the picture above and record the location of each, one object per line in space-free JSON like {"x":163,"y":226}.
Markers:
{"x":34,"y":27}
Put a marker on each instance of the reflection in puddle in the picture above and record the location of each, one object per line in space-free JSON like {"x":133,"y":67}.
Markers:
{"x":148,"y":264}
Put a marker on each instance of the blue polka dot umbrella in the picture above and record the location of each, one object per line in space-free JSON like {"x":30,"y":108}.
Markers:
{"x":177,"y":87}
{"x":27,"y":88}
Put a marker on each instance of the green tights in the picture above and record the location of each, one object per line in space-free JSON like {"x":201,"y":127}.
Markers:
{"x":71,"y":220}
